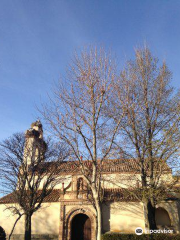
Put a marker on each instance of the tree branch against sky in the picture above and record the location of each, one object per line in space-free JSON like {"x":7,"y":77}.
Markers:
{"x":77,"y":116}
{"x":29,"y":173}
{"x":150,"y":129}
{"x":100,"y":114}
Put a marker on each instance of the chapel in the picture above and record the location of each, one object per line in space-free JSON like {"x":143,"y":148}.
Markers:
{"x":67,"y":213}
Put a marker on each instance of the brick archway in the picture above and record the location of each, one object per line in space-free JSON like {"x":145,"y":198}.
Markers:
{"x":72,"y":213}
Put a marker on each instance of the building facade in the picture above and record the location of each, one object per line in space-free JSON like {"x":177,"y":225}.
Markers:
{"x":67,"y":213}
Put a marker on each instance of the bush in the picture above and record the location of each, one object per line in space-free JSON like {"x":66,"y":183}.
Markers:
{"x":2,"y":234}
{"x":159,"y":236}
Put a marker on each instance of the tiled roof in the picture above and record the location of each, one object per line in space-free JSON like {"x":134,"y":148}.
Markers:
{"x":129,"y":195}
{"x":53,"y":197}
{"x":109,"y":166}
{"x":11,"y":198}
{"x":111,"y":194}
{"x":119,"y":195}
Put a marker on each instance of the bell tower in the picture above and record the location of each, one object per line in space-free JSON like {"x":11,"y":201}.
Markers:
{"x":35,"y":146}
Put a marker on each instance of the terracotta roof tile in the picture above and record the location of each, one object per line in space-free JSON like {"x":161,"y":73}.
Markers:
{"x":129,"y":195}
{"x":109,"y":166}
{"x":111,"y":194}
{"x":119,"y":195}
{"x":11,"y":198}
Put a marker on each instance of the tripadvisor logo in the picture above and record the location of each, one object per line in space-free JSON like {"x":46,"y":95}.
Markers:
{"x":139,"y":231}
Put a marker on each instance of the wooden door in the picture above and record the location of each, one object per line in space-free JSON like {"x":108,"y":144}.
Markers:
{"x":87,"y":229}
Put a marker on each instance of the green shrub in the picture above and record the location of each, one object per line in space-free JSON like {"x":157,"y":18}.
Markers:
{"x":159,"y":236}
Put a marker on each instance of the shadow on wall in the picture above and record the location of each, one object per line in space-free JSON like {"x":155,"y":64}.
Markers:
{"x":43,"y":227}
{"x":105,"y":218}
{"x":45,"y":224}
{"x":122,"y":216}
{"x":117,"y":216}
{"x":127,"y":216}
{"x":46,"y":220}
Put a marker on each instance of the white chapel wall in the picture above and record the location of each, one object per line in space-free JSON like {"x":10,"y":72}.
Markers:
{"x":44,"y":221}
{"x":123,"y":217}
{"x":7,"y":220}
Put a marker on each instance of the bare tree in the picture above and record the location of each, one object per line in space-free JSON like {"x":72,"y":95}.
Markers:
{"x":29,"y":171}
{"x":77,"y":116}
{"x":150,"y":128}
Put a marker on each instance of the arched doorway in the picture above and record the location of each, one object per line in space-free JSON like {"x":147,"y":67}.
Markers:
{"x":81,"y":227}
{"x":2,"y":234}
{"x":162,"y":218}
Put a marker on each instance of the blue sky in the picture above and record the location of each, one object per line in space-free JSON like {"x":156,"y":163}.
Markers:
{"x":38,"y":38}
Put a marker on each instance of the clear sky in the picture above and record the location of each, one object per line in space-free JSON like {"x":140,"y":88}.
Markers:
{"x":38,"y":38}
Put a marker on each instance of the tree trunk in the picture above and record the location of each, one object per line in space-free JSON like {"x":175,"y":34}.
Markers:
{"x":150,"y":215}
{"x":27,"y":227}
{"x":99,"y":220}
